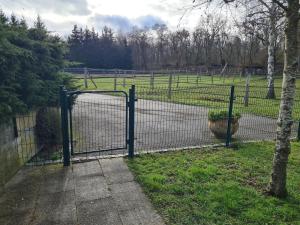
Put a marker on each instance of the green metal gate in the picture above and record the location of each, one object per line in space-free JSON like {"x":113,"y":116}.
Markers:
{"x":86,"y":123}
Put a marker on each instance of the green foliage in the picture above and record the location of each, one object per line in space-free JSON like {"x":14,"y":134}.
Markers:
{"x":30,"y":59}
{"x":214,"y":115}
{"x":48,"y":127}
{"x":223,"y":186}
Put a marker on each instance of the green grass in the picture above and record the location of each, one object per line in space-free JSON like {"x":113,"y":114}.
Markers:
{"x":219,"y":186}
{"x":208,"y":93}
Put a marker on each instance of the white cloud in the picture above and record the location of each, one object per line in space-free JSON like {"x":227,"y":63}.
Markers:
{"x":60,"y":15}
{"x":124,"y":23}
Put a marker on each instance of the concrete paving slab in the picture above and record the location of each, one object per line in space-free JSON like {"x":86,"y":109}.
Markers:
{"x":121,"y":177}
{"x":91,"y":168}
{"x":98,"y":212}
{"x":56,"y":208}
{"x":91,"y":188}
{"x":131,"y":186}
{"x":113,"y":165}
{"x":116,"y":171}
{"x":140,"y":215}
{"x":20,"y":218}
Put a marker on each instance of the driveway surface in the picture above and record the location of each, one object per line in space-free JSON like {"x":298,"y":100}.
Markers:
{"x":99,"y":124}
{"x":101,"y":192}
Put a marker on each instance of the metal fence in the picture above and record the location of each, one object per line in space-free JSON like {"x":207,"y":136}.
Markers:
{"x":37,"y":136}
{"x":180,"y":119}
{"x":165,"y":119}
{"x":107,"y":123}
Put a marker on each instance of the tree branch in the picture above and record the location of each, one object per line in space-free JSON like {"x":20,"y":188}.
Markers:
{"x":281,"y":5}
{"x":265,"y":4}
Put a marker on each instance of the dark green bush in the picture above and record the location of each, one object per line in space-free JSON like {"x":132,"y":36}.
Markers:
{"x":214,"y":115}
{"x":30,"y":61}
{"x":48,"y":128}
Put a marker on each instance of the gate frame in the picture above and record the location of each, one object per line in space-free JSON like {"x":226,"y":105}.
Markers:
{"x":65,"y":103}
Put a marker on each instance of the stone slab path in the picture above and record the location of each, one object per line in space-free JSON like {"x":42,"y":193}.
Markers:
{"x":98,"y":192}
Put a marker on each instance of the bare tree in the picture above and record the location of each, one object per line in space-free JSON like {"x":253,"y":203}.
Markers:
{"x":212,"y":28}
{"x":277,"y":185}
{"x":267,"y":15}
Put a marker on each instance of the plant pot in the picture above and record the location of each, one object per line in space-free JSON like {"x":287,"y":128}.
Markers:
{"x":219,"y":127}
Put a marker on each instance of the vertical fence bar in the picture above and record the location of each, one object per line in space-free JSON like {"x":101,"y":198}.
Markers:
{"x":115,"y":82}
{"x":71,"y":125}
{"x":124,"y":82}
{"x":152,"y":81}
{"x":64,"y":125}
{"x":298,"y":131}
{"x":247,"y":90}
{"x":85,"y":77}
{"x":229,"y":120}
{"x":131,"y":105}
{"x":170,"y":87}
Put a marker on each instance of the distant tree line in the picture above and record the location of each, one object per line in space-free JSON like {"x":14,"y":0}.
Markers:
{"x":99,"y":51}
{"x":30,"y":61}
{"x":214,"y":41}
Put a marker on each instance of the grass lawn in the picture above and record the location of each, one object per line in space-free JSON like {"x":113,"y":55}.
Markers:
{"x":218,"y":186}
{"x":206,"y":92}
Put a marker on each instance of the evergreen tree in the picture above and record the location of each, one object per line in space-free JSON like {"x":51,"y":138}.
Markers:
{"x":96,"y":51}
{"x":30,"y":61}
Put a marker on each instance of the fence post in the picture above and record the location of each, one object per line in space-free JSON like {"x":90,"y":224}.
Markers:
{"x":64,"y":125}
{"x":170,"y":87}
{"x":299,"y":131}
{"x":229,"y":120}
{"x":115,"y":82}
{"x":131,"y":116}
{"x":85,"y":77}
{"x":70,"y":125}
{"x":247,"y":89}
{"x":152,"y":81}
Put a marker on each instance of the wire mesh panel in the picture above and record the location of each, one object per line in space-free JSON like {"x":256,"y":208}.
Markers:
{"x":176,"y":118}
{"x":38,"y":136}
{"x":99,"y":124}
{"x":168,"y":118}
{"x":171,"y":117}
{"x":260,"y":114}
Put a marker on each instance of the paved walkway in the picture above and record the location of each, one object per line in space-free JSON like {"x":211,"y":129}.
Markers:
{"x":92,"y":193}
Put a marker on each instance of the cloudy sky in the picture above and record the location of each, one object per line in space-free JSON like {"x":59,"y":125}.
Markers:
{"x":61,"y":15}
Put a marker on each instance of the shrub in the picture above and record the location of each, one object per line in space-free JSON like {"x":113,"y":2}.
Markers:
{"x":215,"y":115}
{"x":48,"y":129}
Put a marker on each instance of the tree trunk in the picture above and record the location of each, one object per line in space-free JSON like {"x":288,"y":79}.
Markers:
{"x":271,"y":53}
{"x":277,"y":185}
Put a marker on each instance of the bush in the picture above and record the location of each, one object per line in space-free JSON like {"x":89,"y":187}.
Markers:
{"x":48,"y":128}
{"x":215,"y":115}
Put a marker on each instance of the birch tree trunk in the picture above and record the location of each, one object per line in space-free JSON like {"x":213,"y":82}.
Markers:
{"x":271,"y":52}
{"x":277,"y":185}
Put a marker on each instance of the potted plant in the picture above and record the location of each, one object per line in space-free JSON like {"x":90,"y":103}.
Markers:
{"x":218,"y":121}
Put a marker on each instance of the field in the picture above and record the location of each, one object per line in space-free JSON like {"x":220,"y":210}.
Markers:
{"x":223,"y":186}
{"x":207,"y":91}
